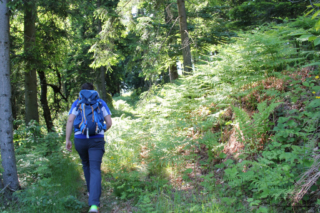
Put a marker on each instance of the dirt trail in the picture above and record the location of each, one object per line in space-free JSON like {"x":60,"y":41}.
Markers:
{"x":109,"y":203}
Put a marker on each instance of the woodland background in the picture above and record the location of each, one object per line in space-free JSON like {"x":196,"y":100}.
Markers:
{"x":215,"y":104}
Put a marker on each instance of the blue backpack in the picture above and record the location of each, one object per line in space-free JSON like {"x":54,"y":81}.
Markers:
{"x":90,"y":119}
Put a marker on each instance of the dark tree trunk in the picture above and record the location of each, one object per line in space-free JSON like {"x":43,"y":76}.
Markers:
{"x":56,"y":100}
{"x":187,"y":64}
{"x":173,"y":72}
{"x":44,"y":101}
{"x":10,"y":176}
{"x":17,"y":92}
{"x":101,"y":80}
{"x":101,"y":83}
{"x":31,"y":105}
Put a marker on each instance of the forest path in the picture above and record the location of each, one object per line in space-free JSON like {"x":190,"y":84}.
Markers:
{"x":109,"y":203}
{"x":185,"y":191}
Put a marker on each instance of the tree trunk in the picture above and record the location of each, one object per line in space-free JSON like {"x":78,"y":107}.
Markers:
{"x":10,"y":176}
{"x":30,"y":51}
{"x":173,"y":72}
{"x":101,"y":81}
{"x":187,"y":65}
{"x":44,"y":101}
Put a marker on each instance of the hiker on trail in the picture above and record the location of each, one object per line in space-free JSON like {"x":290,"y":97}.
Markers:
{"x":87,"y":115}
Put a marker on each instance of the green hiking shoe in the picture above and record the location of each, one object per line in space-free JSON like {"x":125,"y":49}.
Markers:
{"x":94,"y":209}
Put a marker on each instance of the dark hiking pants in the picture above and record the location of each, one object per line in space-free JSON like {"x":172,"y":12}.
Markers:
{"x":91,"y":152}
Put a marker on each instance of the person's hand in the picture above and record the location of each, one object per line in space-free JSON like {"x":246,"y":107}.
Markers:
{"x":68,"y":145}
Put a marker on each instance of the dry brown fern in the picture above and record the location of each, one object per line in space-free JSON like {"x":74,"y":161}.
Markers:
{"x":306,"y":181}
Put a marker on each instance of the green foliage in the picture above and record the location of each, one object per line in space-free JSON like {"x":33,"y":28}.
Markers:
{"x":248,"y":13}
{"x":211,"y":141}
{"x":263,"y":50}
{"x":270,"y":177}
{"x":105,"y":50}
{"x":126,"y":185}
{"x":42,"y":163}
{"x":253,"y":133}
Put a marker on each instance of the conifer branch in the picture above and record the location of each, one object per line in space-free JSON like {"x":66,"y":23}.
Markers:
{"x":166,"y":37}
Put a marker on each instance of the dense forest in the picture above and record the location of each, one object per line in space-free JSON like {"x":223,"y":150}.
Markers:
{"x":215,"y":104}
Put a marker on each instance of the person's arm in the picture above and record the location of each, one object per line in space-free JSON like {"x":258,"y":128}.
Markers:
{"x":69,"y":131}
{"x":108,"y":120}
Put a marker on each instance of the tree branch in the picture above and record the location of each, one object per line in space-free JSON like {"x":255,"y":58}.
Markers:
{"x":169,"y":13}
{"x":168,"y":34}
{"x":4,"y":188}
{"x":56,"y":89}
{"x":300,"y":1}
{"x":311,"y":4}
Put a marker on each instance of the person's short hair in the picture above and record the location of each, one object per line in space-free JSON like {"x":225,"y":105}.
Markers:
{"x":87,"y":86}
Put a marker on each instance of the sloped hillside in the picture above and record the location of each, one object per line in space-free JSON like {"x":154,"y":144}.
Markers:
{"x":236,"y":136}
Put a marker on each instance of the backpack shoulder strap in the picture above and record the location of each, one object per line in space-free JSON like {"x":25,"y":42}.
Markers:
{"x":78,"y":106}
{"x":83,"y":111}
{"x":99,"y":103}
